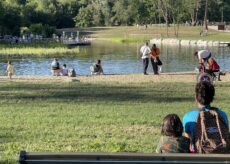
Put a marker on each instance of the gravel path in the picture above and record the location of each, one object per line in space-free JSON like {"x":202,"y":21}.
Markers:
{"x":130,"y":78}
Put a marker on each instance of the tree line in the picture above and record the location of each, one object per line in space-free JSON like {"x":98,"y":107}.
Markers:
{"x":17,"y":16}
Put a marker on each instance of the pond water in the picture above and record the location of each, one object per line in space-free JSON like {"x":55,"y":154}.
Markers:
{"x":117,"y":58}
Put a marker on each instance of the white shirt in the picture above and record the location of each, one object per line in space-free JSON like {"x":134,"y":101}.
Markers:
{"x":203,"y":54}
{"x":145,"y":50}
{"x":54,"y":64}
{"x":65,"y":71}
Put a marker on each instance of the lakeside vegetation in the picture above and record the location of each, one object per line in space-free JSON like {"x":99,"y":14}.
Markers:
{"x":39,"y":52}
{"x":91,"y":117}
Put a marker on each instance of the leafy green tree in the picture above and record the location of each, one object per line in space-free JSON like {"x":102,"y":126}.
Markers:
{"x":123,"y":13}
{"x":11,"y":20}
{"x":84,"y":17}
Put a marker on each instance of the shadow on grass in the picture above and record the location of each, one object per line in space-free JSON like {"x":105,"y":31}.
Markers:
{"x":93,"y":92}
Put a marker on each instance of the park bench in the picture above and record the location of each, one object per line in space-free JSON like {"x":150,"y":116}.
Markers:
{"x":121,"y":158}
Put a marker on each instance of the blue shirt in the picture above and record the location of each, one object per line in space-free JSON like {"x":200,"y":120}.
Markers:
{"x":190,"y":118}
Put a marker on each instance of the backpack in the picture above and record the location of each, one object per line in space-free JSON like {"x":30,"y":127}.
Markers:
{"x":211,"y":133}
{"x":71,"y":72}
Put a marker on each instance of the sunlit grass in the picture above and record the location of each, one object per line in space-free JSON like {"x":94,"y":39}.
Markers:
{"x":80,"y":117}
{"x":38,"y":51}
{"x":152,"y":31}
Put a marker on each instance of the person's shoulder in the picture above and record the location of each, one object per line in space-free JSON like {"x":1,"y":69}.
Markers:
{"x":191,"y":115}
{"x":192,"y":112}
{"x":221,"y":112}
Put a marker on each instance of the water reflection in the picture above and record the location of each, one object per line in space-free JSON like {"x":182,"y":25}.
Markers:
{"x":116,"y":58}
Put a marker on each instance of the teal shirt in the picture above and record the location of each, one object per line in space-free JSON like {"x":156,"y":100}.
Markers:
{"x":190,"y":118}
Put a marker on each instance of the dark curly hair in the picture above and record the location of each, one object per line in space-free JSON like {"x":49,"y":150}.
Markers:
{"x":205,"y":92}
{"x":172,"y":126}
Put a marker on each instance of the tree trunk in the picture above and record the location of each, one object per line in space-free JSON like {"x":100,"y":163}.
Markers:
{"x":195,"y":13}
{"x":205,"y":16}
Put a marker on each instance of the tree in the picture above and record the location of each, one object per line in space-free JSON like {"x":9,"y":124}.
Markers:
{"x":84,"y":17}
{"x":193,"y":7}
{"x":11,"y":20}
{"x":205,"y":16}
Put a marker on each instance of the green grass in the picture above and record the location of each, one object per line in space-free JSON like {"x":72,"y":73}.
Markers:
{"x":40,"y":49}
{"x":130,"y":33}
{"x":77,"y":117}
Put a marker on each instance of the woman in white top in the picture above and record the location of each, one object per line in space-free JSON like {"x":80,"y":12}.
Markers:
{"x":203,"y":55}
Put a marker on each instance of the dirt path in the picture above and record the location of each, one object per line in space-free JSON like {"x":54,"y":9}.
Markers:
{"x":131,"y":78}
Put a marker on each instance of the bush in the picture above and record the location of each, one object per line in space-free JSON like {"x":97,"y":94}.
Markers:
{"x":45,"y":30}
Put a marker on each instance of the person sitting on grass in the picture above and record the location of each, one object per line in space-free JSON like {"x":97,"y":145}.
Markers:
{"x":64,"y":70}
{"x":97,"y":68}
{"x":204,"y":95}
{"x":55,"y":67}
{"x":10,"y":70}
{"x":172,"y":140}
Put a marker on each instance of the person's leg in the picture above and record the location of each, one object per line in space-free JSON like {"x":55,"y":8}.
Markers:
{"x":145,"y":65}
{"x":217,"y":73}
{"x":152,"y":62}
{"x":155,"y":67}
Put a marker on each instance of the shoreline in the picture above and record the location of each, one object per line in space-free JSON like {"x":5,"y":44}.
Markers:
{"x":115,"y":78}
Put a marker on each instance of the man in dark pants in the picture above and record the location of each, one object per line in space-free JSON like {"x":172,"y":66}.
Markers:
{"x":145,"y":51}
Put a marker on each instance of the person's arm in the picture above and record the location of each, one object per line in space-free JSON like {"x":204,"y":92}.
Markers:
{"x":159,"y":146}
{"x":7,"y":68}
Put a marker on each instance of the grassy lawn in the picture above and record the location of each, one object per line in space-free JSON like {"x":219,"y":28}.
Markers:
{"x":134,"y":34}
{"x":81,"y":117}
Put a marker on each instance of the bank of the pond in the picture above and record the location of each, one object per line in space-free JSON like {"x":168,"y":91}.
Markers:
{"x":36,"y":51}
{"x":183,"y":77}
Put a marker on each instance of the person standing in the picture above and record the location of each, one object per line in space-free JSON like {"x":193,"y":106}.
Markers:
{"x":10,"y":70}
{"x":145,"y":51}
{"x":155,"y":60}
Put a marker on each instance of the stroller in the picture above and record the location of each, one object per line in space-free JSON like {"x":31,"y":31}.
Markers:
{"x":205,"y":75}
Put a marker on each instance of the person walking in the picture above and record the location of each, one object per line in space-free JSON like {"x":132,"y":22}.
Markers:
{"x":10,"y":70}
{"x":155,"y":60}
{"x":145,"y":51}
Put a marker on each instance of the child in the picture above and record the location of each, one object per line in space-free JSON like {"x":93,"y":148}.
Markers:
{"x":172,"y":140}
{"x":64,"y":70}
{"x":214,"y":67}
{"x":212,"y":64}
{"x":10,"y":70}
